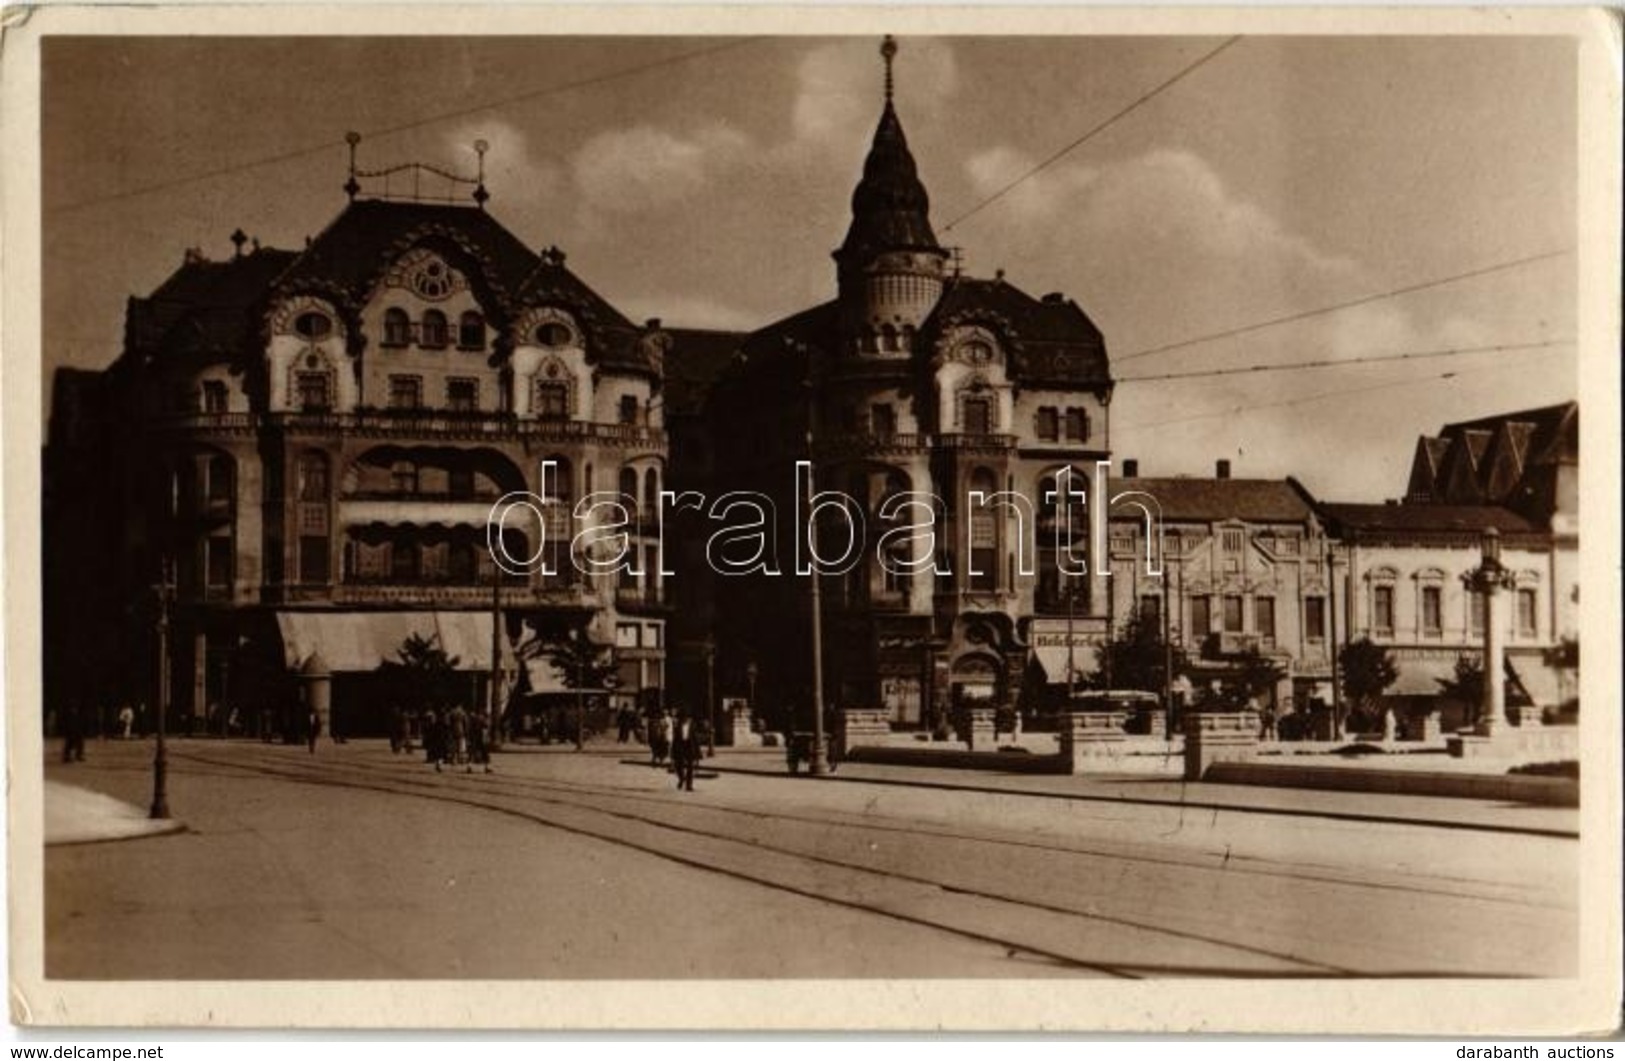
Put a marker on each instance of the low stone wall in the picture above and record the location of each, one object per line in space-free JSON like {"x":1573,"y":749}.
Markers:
{"x":861,"y":728}
{"x":957,"y":759}
{"x":1218,"y":736}
{"x":1527,"y":743}
{"x":1549,"y":791}
{"x":1087,"y":737}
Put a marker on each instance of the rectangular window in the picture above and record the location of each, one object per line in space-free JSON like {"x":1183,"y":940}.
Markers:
{"x":405,"y":392}
{"x":313,"y":392}
{"x":1151,"y":611}
{"x":978,"y":416}
{"x":1314,"y":618}
{"x":1432,"y":610}
{"x":1475,"y":613}
{"x":1382,"y":608}
{"x":214,"y":396}
{"x":629,"y":409}
{"x":313,"y":559}
{"x":1233,"y":541}
{"x":1201,"y":617}
{"x":893,"y":577}
{"x":217,"y":561}
{"x":1077,"y":425}
{"x":403,"y":561}
{"x":1232,"y":614}
{"x":553,"y":401}
{"x":463,"y":395}
{"x":1526,"y":612}
{"x":1264,"y":616}
{"x":1048,"y":424}
{"x":883,"y":420}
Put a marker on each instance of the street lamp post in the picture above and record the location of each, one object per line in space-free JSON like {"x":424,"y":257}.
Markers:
{"x":711,"y":699}
{"x":160,"y":760}
{"x":1487,"y":580}
{"x":818,"y":765}
{"x":581,"y":685}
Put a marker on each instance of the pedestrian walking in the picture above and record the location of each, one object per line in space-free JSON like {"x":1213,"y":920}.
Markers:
{"x":432,"y":743}
{"x":457,"y":722}
{"x":625,"y":720}
{"x":478,"y":753}
{"x":685,"y":751}
{"x":313,"y":729}
{"x":126,"y":721}
{"x":660,"y":739}
{"x":73,"y":734}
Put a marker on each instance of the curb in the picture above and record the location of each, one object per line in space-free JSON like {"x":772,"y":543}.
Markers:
{"x":1285,"y":812}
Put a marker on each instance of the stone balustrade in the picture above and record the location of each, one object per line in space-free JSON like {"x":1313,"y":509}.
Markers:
{"x":1218,"y":736}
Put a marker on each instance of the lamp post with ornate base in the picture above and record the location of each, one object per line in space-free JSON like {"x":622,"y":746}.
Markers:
{"x":1487,"y":580}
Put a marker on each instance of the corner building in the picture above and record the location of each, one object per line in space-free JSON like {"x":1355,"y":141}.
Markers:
{"x":913,"y":378}
{"x":310,"y":444}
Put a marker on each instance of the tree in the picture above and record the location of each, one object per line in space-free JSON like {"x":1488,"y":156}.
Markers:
{"x":581,"y":663}
{"x":1466,"y":685}
{"x":1139,"y":657}
{"x":423,"y":677}
{"x":1367,"y":670}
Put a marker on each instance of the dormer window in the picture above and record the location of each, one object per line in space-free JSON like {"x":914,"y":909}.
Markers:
{"x":214,"y":396}
{"x":978,"y":416}
{"x":313,"y":326}
{"x":471,"y":331}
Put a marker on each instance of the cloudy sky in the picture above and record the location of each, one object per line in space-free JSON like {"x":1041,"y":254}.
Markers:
{"x":706,"y":180}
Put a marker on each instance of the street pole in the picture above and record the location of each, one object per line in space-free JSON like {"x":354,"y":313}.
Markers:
{"x":494,"y":694}
{"x":581,"y":690}
{"x":1111,"y":617}
{"x":160,"y":761}
{"x":1071,"y":661}
{"x":818,"y":765}
{"x":711,"y":699}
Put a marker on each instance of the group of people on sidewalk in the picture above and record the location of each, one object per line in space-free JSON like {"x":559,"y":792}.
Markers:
{"x":456,"y":737}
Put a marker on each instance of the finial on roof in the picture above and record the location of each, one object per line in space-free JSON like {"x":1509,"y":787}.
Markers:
{"x":480,"y":194}
{"x":888,"y":51}
{"x":238,"y":238}
{"x":352,"y":186}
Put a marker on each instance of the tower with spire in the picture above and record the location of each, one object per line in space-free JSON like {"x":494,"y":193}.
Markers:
{"x":890,"y":266}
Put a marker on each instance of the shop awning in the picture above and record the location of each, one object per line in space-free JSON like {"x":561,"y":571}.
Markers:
{"x":1538,"y":679}
{"x":360,"y":641}
{"x":1053,"y":658}
{"x":1421,"y":677}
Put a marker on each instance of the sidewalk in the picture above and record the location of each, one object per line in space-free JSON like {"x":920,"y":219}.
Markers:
{"x":75,"y":815}
{"x":1435,"y":811}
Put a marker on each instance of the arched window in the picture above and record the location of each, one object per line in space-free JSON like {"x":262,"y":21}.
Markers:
{"x":651,"y":493}
{"x":313,"y":326}
{"x":558,"y":503}
{"x":471,"y":331}
{"x":984,"y":533}
{"x":397,"y":327}
{"x":888,"y":338}
{"x":629,"y":489}
{"x":434,"y":328}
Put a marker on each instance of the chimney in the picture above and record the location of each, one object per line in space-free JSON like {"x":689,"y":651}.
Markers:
{"x":653,"y":324}
{"x":1222,"y":470}
{"x":1131,"y":468}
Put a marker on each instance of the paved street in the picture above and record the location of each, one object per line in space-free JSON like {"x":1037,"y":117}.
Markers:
{"x":354,"y":863}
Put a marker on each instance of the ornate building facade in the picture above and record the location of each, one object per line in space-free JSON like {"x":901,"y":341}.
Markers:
{"x":309,"y":443}
{"x":914,"y":379}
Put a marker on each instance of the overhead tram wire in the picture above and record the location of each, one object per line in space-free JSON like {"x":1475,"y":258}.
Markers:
{"x":1363,"y":300}
{"x":1293,"y":366}
{"x":1092,"y":133}
{"x":1241,"y":410}
{"x":441,"y":116}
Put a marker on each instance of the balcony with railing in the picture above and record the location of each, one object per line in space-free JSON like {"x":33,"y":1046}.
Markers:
{"x":419,"y":422}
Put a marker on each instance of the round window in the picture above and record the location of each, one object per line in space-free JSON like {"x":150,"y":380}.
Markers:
{"x":313,"y":326}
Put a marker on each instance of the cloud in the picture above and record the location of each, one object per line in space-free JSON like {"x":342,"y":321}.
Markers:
{"x":645,"y":168}
{"x":512,"y":168}
{"x":839,"y":86}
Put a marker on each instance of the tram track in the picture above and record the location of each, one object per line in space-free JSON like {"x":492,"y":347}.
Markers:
{"x":663,"y":827}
